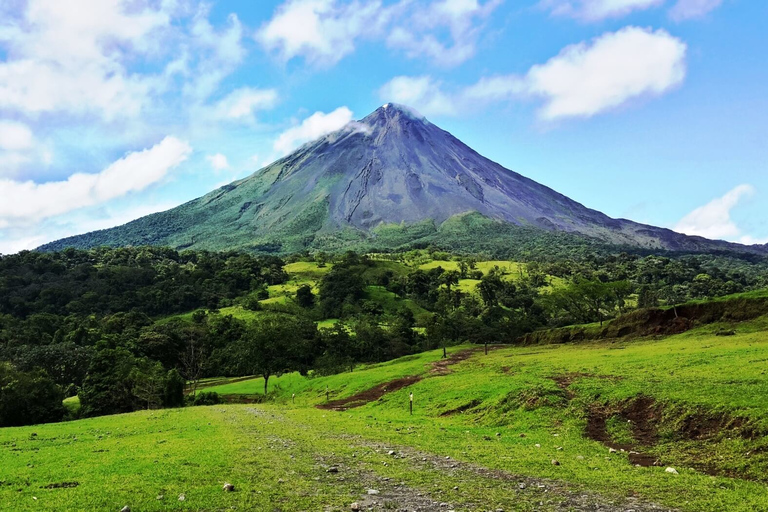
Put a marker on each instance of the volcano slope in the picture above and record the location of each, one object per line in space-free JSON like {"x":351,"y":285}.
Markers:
{"x":384,"y":182}
{"x":483,"y":436}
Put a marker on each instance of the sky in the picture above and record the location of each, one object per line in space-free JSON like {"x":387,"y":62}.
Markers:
{"x":651,"y":110}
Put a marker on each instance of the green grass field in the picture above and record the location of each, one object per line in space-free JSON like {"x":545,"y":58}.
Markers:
{"x":501,"y":419}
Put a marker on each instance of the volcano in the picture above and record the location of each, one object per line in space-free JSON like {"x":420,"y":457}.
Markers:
{"x":391,"y":172}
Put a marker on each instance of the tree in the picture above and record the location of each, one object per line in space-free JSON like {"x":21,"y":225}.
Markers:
{"x":173,"y":394}
{"x":149,"y":383}
{"x":28,"y":398}
{"x":108,"y":387}
{"x":304,"y":296}
{"x":275,"y":344}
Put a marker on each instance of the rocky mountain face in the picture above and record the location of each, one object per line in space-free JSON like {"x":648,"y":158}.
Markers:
{"x":391,"y":168}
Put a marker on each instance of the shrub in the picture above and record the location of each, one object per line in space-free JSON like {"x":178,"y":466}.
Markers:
{"x":206,"y":398}
{"x":27,"y":398}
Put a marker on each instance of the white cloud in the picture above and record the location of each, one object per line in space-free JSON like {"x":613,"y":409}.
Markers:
{"x":321,"y":31}
{"x":69,"y":56}
{"x":581,"y":81}
{"x":688,"y":9}
{"x":595,"y":10}
{"x":325,"y":31}
{"x":241,"y":103}
{"x":419,"y":34}
{"x":316,"y":125}
{"x":218,"y":54}
{"x":15,"y":136}
{"x":218,"y":162}
{"x":585,"y":79}
{"x":28,"y":202}
{"x":90,"y":219}
{"x":713,"y":220}
{"x":421,"y":92}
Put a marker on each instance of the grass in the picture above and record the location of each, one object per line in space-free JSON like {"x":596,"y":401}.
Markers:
{"x":132,"y":459}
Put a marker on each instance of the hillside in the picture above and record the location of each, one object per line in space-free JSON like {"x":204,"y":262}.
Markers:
{"x":484,"y":433}
{"x":390,"y":180}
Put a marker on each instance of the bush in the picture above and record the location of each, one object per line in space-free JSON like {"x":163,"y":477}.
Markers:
{"x":28,"y":398}
{"x":173,"y":395}
{"x":206,"y":398}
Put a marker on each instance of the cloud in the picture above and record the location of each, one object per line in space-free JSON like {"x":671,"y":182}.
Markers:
{"x":29,"y":202}
{"x":70,"y":56}
{"x":217,"y":52}
{"x":91,"y":219}
{"x":316,"y":125}
{"x":419,"y":34}
{"x":241,"y":103}
{"x":320,"y":31}
{"x":325,"y":31}
{"x":581,"y":81}
{"x":422,"y":92}
{"x":713,"y":220}
{"x":688,"y":9}
{"x":15,"y":136}
{"x":585,"y":79}
{"x":218,"y":162}
{"x":596,"y":10}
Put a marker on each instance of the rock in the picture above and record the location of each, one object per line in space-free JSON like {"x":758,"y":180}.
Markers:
{"x":182,"y":497}
{"x":537,"y":445}
{"x":332,"y":469}
{"x":228,"y":487}
{"x":125,"y":509}
{"x":611,"y":450}
{"x":355,"y":506}
{"x":555,"y":462}
{"x":580,"y":457}
{"x":372,"y":492}
{"x":456,"y":488}
{"x":559,"y":448}
{"x":672,"y":471}
{"x":521,"y":485}
{"x":280,"y":481}
{"x":159,"y":497}
{"x":498,"y":434}
{"x":391,"y":452}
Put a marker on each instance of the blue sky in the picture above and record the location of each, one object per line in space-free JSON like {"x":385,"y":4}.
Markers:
{"x":653,"y":110}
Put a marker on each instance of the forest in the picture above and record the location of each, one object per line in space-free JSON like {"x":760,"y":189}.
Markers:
{"x":138,"y":328}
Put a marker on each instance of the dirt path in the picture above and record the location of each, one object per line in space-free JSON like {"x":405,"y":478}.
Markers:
{"x":439,"y":368}
{"x":369,"y":395}
{"x":456,"y":484}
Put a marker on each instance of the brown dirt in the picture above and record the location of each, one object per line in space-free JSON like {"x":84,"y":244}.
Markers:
{"x":463,"y":408}
{"x":62,"y":485}
{"x":655,"y":322}
{"x":439,"y":368}
{"x":442,"y":367}
{"x":369,"y":395}
{"x":596,"y":430}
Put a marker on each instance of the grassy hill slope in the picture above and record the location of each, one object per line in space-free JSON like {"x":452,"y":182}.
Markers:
{"x":484,"y":434}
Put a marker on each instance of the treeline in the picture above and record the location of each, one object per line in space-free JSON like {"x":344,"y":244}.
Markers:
{"x":104,"y":324}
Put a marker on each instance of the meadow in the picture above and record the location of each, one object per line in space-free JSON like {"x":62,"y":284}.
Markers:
{"x":522,"y":428}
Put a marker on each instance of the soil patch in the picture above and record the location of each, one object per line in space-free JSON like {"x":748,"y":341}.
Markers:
{"x":439,"y":368}
{"x":369,"y":395}
{"x":463,"y":408}
{"x":62,"y":485}
{"x":596,"y":430}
